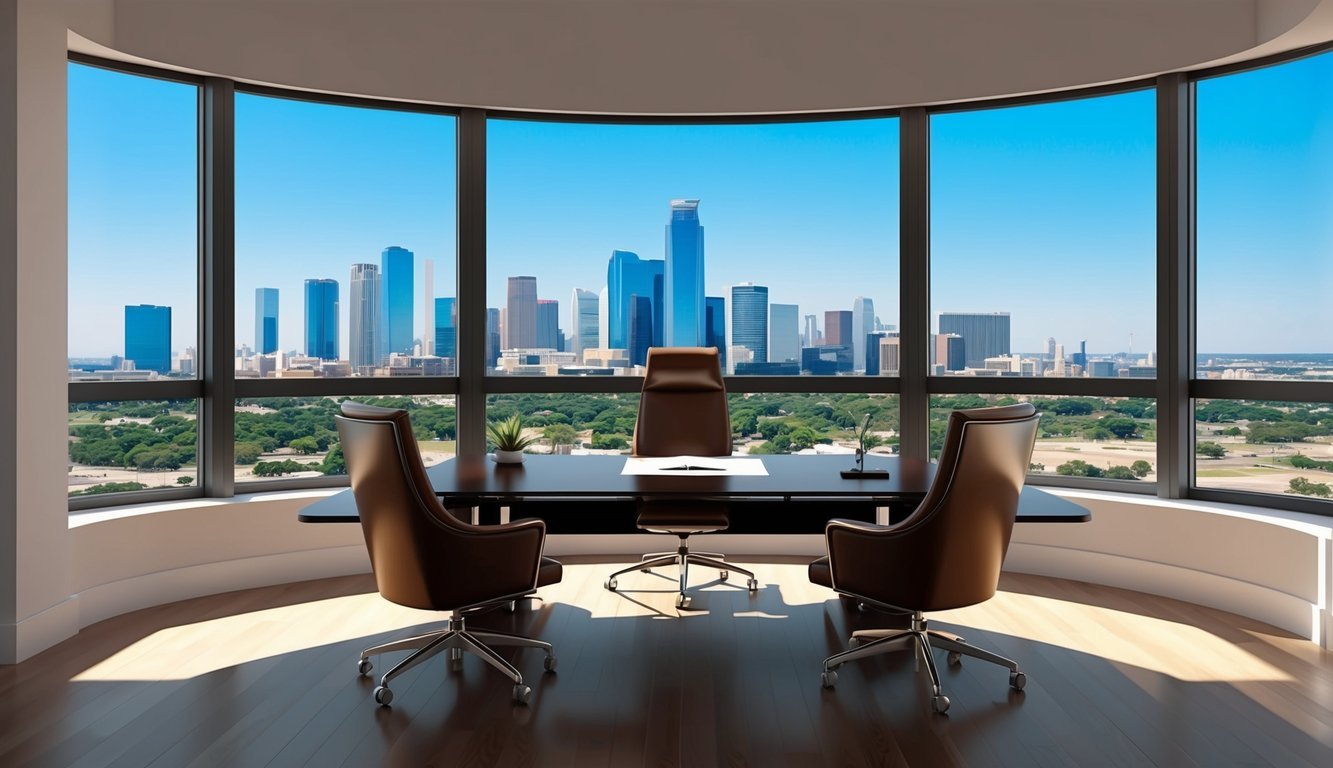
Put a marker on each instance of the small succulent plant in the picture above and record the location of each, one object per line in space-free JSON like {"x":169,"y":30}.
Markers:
{"x":507,"y":435}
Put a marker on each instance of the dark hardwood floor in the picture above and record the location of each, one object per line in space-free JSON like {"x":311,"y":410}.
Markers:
{"x":267,"y":678}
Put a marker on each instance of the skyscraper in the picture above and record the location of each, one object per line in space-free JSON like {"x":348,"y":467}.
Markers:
{"x":684,"y":292}
{"x":985,"y":334}
{"x":583,"y":321}
{"x":838,"y":329}
{"x":640,"y":329}
{"x":396,"y":298}
{"x":321,"y":318}
{"x":444,"y":327}
{"x":784,"y":333}
{"x":748,"y":320}
{"x":810,"y":334}
{"x":363,"y":315}
{"x":492,"y":336}
{"x":1081,"y":356}
{"x":548,"y":325}
{"x":628,"y":275}
{"x":266,"y":320}
{"x":428,"y":307}
{"x":950,"y":351}
{"x":148,"y":337}
{"x":520,"y":318}
{"x":872,"y":352}
{"x":863,"y":322}
{"x":715,"y":327}
{"x":890,"y":353}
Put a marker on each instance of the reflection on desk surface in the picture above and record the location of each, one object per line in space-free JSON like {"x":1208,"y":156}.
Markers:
{"x":687,"y":466}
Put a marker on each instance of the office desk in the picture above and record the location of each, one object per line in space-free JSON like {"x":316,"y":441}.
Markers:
{"x":471,"y":481}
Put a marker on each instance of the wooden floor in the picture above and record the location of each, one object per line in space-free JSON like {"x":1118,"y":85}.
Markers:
{"x":266,"y":677}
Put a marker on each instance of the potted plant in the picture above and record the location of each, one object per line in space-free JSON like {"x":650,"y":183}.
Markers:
{"x":507,"y":436}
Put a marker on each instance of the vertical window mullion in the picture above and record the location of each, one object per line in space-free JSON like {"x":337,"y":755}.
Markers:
{"x":1175,"y":310}
{"x":914,"y":281}
{"x":217,"y":201}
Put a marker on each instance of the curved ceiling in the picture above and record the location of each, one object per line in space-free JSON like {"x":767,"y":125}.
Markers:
{"x":692,"y":57}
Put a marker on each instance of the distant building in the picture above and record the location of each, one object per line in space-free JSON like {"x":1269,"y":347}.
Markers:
{"x":890,"y":356}
{"x":784,"y":333}
{"x":683,"y":297}
{"x":627,"y":275}
{"x":548,"y":325}
{"x":1058,"y":361}
{"x":985,"y":334}
{"x":520,"y":318}
{"x":266,"y":320}
{"x":715,"y":327}
{"x":747,"y":324}
{"x":148,"y":337}
{"x":492,"y":336}
{"x":444,"y":327}
{"x":788,"y":368}
{"x":321,"y":318}
{"x":428,"y":307}
{"x":1103,"y":368}
{"x":950,"y":352}
{"x":640,"y":329}
{"x":863,"y":322}
{"x":838,"y":328}
{"x":827,"y":359}
{"x":396,"y":301}
{"x":810,"y":331}
{"x":363,"y":316}
{"x":1081,"y":356}
{"x":583,"y":321}
{"x":872,"y":351}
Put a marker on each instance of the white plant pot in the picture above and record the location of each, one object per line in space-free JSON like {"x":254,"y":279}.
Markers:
{"x":508,"y":457}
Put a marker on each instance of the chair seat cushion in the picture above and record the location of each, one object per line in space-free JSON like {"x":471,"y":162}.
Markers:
{"x":821,"y":573}
{"x":549,"y":572}
{"x":682,"y":517}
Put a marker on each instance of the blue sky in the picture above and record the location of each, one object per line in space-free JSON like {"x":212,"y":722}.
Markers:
{"x":1045,"y":211}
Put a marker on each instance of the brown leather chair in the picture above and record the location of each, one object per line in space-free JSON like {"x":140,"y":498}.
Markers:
{"x":683,"y":412}
{"x":947,"y":553}
{"x":424,"y":557}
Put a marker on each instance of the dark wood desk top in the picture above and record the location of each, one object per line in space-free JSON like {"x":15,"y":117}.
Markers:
{"x":470,"y":480}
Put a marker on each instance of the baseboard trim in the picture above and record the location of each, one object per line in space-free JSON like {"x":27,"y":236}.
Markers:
{"x":31,"y":636}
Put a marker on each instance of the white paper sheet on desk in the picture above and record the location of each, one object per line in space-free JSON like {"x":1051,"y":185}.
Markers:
{"x":694,"y":466}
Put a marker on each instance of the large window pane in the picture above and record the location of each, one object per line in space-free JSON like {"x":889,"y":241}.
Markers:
{"x":1265,"y":233}
{"x":1264,"y":447}
{"x":133,"y":226}
{"x":776,"y":243}
{"x":346,"y":240}
{"x":296,"y":437}
{"x":1109,"y":437}
{"x":1043,"y":250}
{"x":132,"y":445}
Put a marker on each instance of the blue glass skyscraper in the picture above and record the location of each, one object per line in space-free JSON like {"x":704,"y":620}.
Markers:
{"x":684,"y":286}
{"x":715,"y":325}
{"x":396,"y":299}
{"x":640,"y":329}
{"x":749,"y":319}
{"x":321,"y":318}
{"x":548,"y":325}
{"x":266,"y":320}
{"x":363,"y":316}
{"x":627,"y":275}
{"x":446,"y":321}
{"x":148,"y":337}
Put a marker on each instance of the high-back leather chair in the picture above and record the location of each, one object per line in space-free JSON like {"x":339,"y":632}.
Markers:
{"x":683,"y":412}
{"x":947,"y":553}
{"x":424,"y":557}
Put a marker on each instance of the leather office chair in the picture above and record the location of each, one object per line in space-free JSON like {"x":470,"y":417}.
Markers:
{"x":683,"y":412}
{"x":424,"y":557}
{"x":947,"y":553}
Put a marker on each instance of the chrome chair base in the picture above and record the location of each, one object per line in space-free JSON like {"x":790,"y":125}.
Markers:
{"x":921,"y":639}
{"x":682,"y":558}
{"x":456,"y":639}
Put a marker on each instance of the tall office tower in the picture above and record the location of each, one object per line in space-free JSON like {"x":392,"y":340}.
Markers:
{"x":520,"y":318}
{"x":363,"y":316}
{"x":492,"y":337}
{"x":396,"y":265}
{"x":950,"y":351}
{"x":428,"y":314}
{"x":148,"y":337}
{"x":684,"y":293}
{"x":640,"y":329}
{"x":444,"y":327}
{"x":863,"y":322}
{"x":747,"y":323}
{"x":1050,"y":347}
{"x":1081,"y":356}
{"x":838,"y":328}
{"x":321,"y":318}
{"x":603,"y":316}
{"x":810,"y":333}
{"x":583,"y":320}
{"x":784,"y":333}
{"x":715,"y":327}
{"x":628,"y":275}
{"x":872,"y":351}
{"x":1058,"y":356}
{"x":266,"y":320}
{"x":548,"y":325}
{"x":985,"y":334}
{"x":890,"y":355}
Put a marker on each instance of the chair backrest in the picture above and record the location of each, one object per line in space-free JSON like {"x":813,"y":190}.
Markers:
{"x":683,"y":408}
{"x":960,"y":531}
{"x":413,"y":541}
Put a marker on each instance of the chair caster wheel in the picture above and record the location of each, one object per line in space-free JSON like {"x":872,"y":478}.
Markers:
{"x":521,"y":694}
{"x":724,"y":575}
{"x":752,"y":585}
{"x":682,"y":601}
{"x":549,"y":664}
{"x":940,"y":704}
{"x":383,"y":696}
{"x":364,"y":666}
{"x":828,"y":678}
{"x":955,"y":658}
{"x":1017,"y":680}
{"x":610,"y":584}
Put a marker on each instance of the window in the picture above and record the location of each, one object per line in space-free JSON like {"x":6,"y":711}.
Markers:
{"x":776,"y":243}
{"x":132,"y":445}
{"x":1043,"y":239}
{"x":346,"y":241}
{"x":1264,"y":447}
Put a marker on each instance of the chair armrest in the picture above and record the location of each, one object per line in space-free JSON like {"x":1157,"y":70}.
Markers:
{"x":862,"y":559}
{"x":504,"y":559}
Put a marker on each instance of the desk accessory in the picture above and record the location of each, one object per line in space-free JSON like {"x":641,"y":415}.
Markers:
{"x":859,"y":472}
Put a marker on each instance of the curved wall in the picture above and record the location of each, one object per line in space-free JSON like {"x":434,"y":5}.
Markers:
{"x":693,"y":56}
{"x":1270,"y":566}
